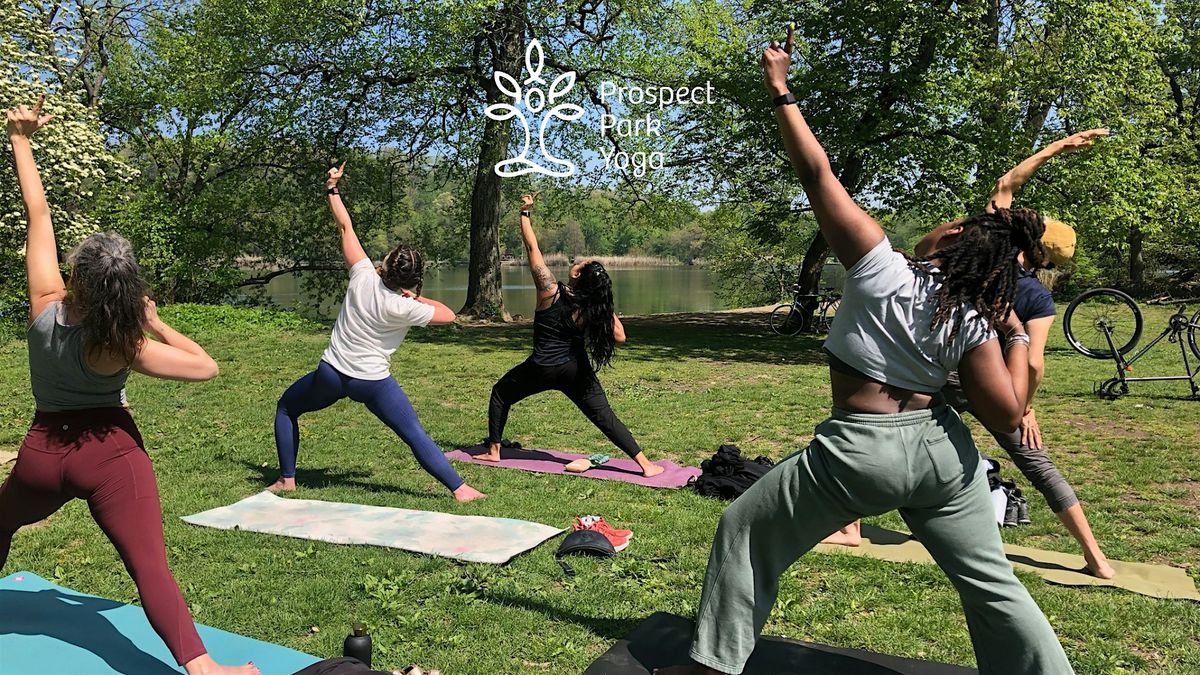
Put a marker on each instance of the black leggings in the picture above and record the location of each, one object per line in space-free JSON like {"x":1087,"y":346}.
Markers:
{"x":577,"y":381}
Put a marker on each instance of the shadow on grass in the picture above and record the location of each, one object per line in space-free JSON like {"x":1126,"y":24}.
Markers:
{"x":316,"y":479}
{"x":743,"y":337}
{"x":604,"y":627}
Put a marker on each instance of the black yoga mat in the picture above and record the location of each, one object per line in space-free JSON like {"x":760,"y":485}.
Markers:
{"x":663,"y":640}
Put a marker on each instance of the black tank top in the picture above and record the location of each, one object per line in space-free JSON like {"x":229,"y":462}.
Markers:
{"x":556,"y":337}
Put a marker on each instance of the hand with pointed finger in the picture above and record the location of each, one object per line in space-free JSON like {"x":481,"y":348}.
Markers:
{"x":1079,"y":141}
{"x":24,"y":122}
{"x":776,"y":60}
{"x":334,"y":175}
{"x":528,"y":200}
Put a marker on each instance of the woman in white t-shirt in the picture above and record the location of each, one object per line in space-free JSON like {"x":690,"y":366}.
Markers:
{"x":891,"y":442}
{"x":380,"y":306}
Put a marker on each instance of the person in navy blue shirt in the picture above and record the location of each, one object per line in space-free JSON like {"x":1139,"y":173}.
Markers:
{"x":1034,"y":306}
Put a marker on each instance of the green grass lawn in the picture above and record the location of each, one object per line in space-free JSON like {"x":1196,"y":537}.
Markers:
{"x":683,"y":385}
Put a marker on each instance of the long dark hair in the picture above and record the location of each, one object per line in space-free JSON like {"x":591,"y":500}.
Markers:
{"x":979,"y":270}
{"x":591,"y":293}
{"x":108,"y":290}
{"x":403,"y":268}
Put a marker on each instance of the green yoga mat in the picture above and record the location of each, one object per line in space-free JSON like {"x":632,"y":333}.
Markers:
{"x":47,"y":629}
{"x":1064,"y":569}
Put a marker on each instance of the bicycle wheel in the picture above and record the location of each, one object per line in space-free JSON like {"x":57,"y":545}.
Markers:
{"x":1097,"y":312}
{"x":828,"y":309}
{"x":785,"y":320}
{"x":1194,"y":333}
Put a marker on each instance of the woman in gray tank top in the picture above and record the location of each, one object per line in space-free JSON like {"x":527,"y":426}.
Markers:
{"x":84,"y":339}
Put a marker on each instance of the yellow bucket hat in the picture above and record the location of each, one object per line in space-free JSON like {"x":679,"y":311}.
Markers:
{"x":1059,"y":241}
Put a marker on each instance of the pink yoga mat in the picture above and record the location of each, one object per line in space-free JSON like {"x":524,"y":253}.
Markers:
{"x":549,"y":461}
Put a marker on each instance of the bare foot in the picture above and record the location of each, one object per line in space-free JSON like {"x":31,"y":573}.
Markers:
{"x":652,"y":470}
{"x":850,"y":536}
{"x":282,"y":485}
{"x":1100,"y":567}
{"x":492,"y":455}
{"x":204,"y":665}
{"x":466,"y":493}
{"x":649,"y":469}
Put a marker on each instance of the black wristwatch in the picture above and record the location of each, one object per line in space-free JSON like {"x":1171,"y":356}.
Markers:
{"x":784,"y":99}
{"x":525,"y":212}
{"x":333,"y":191}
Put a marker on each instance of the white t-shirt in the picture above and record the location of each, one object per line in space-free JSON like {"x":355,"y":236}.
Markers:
{"x":882,"y":328}
{"x":371,"y":325}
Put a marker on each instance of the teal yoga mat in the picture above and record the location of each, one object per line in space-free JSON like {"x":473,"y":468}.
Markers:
{"x":46,"y":629}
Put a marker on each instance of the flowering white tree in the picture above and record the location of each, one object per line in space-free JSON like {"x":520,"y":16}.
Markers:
{"x":71,"y":153}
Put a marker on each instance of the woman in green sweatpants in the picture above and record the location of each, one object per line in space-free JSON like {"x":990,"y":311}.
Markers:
{"x":892,"y":443}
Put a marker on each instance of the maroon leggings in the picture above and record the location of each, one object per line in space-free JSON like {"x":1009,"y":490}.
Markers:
{"x":97,"y":455}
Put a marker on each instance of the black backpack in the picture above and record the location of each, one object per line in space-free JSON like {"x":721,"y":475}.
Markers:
{"x":727,"y":475}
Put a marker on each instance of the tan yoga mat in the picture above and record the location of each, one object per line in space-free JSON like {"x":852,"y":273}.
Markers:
{"x":1065,"y":569}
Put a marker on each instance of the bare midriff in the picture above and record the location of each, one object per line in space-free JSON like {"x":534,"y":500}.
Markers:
{"x":862,"y":395}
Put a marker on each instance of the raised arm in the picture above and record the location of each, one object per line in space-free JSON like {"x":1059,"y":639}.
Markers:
{"x":1010,"y":183}
{"x":352,"y":249}
{"x":848,"y":229}
{"x":543,"y":279}
{"x":41,"y":253}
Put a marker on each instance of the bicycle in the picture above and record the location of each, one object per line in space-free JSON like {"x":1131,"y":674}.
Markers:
{"x":806,"y":312}
{"x":1105,"y":323}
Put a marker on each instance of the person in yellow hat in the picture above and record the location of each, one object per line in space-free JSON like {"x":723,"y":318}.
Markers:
{"x":1034,"y":306}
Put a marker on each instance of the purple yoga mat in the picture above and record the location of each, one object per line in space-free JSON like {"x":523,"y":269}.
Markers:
{"x":549,"y":461}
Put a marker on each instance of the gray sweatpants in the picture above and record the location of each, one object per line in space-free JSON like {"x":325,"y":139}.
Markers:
{"x":922,"y":463}
{"x":1035,"y":463}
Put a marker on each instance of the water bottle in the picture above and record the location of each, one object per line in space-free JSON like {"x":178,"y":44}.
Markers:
{"x":358,"y":644}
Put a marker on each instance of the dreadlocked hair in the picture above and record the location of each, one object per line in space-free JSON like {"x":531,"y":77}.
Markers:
{"x":109,"y":292}
{"x":979,"y":270}
{"x":592,"y":294}
{"x":403,"y":268}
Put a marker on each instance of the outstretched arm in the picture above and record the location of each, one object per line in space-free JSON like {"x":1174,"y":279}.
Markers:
{"x":543,"y":279}
{"x":41,"y":253}
{"x":352,"y":249}
{"x":850,"y":231}
{"x":1010,"y":183}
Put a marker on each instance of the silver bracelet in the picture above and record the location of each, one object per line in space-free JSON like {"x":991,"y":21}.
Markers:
{"x":1016,"y":338}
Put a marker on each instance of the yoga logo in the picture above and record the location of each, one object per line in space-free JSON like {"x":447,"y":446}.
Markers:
{"x":536,"y":101}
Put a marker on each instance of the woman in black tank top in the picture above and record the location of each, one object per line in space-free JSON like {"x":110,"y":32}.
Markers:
{"x":574,"y":332}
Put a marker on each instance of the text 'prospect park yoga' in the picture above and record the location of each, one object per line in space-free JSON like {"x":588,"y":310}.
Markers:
{"x":612,"y":338}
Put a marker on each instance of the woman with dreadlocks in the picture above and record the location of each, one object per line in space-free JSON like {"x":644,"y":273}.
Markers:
{"x":381,"y":304}
{"x":891,"y":442}
{"x":1034,"y":307}
{"x":573,"y":321}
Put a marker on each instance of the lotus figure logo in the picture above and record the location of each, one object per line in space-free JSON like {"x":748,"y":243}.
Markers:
{"x":538,"y":100}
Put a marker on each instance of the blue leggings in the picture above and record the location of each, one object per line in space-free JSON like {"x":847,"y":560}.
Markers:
{"x":325,"y":386}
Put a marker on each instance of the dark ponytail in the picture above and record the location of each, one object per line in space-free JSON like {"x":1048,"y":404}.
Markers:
{"x":979,"y":270}
{"x":591,"y":292}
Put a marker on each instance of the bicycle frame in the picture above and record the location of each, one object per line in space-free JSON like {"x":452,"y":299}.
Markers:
{"x":1174,"y":331}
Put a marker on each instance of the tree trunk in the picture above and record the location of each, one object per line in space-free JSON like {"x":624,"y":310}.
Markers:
{"x":1137,"y":264}
{"x":484,"y":299}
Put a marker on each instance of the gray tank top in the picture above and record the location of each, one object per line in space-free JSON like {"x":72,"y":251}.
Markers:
{"x":61,"y":379}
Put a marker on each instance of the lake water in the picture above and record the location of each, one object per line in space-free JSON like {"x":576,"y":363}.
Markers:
{"x":636,"y":290}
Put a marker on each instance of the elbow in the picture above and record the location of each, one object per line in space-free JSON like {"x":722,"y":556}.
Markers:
{"x":619,"y":338}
